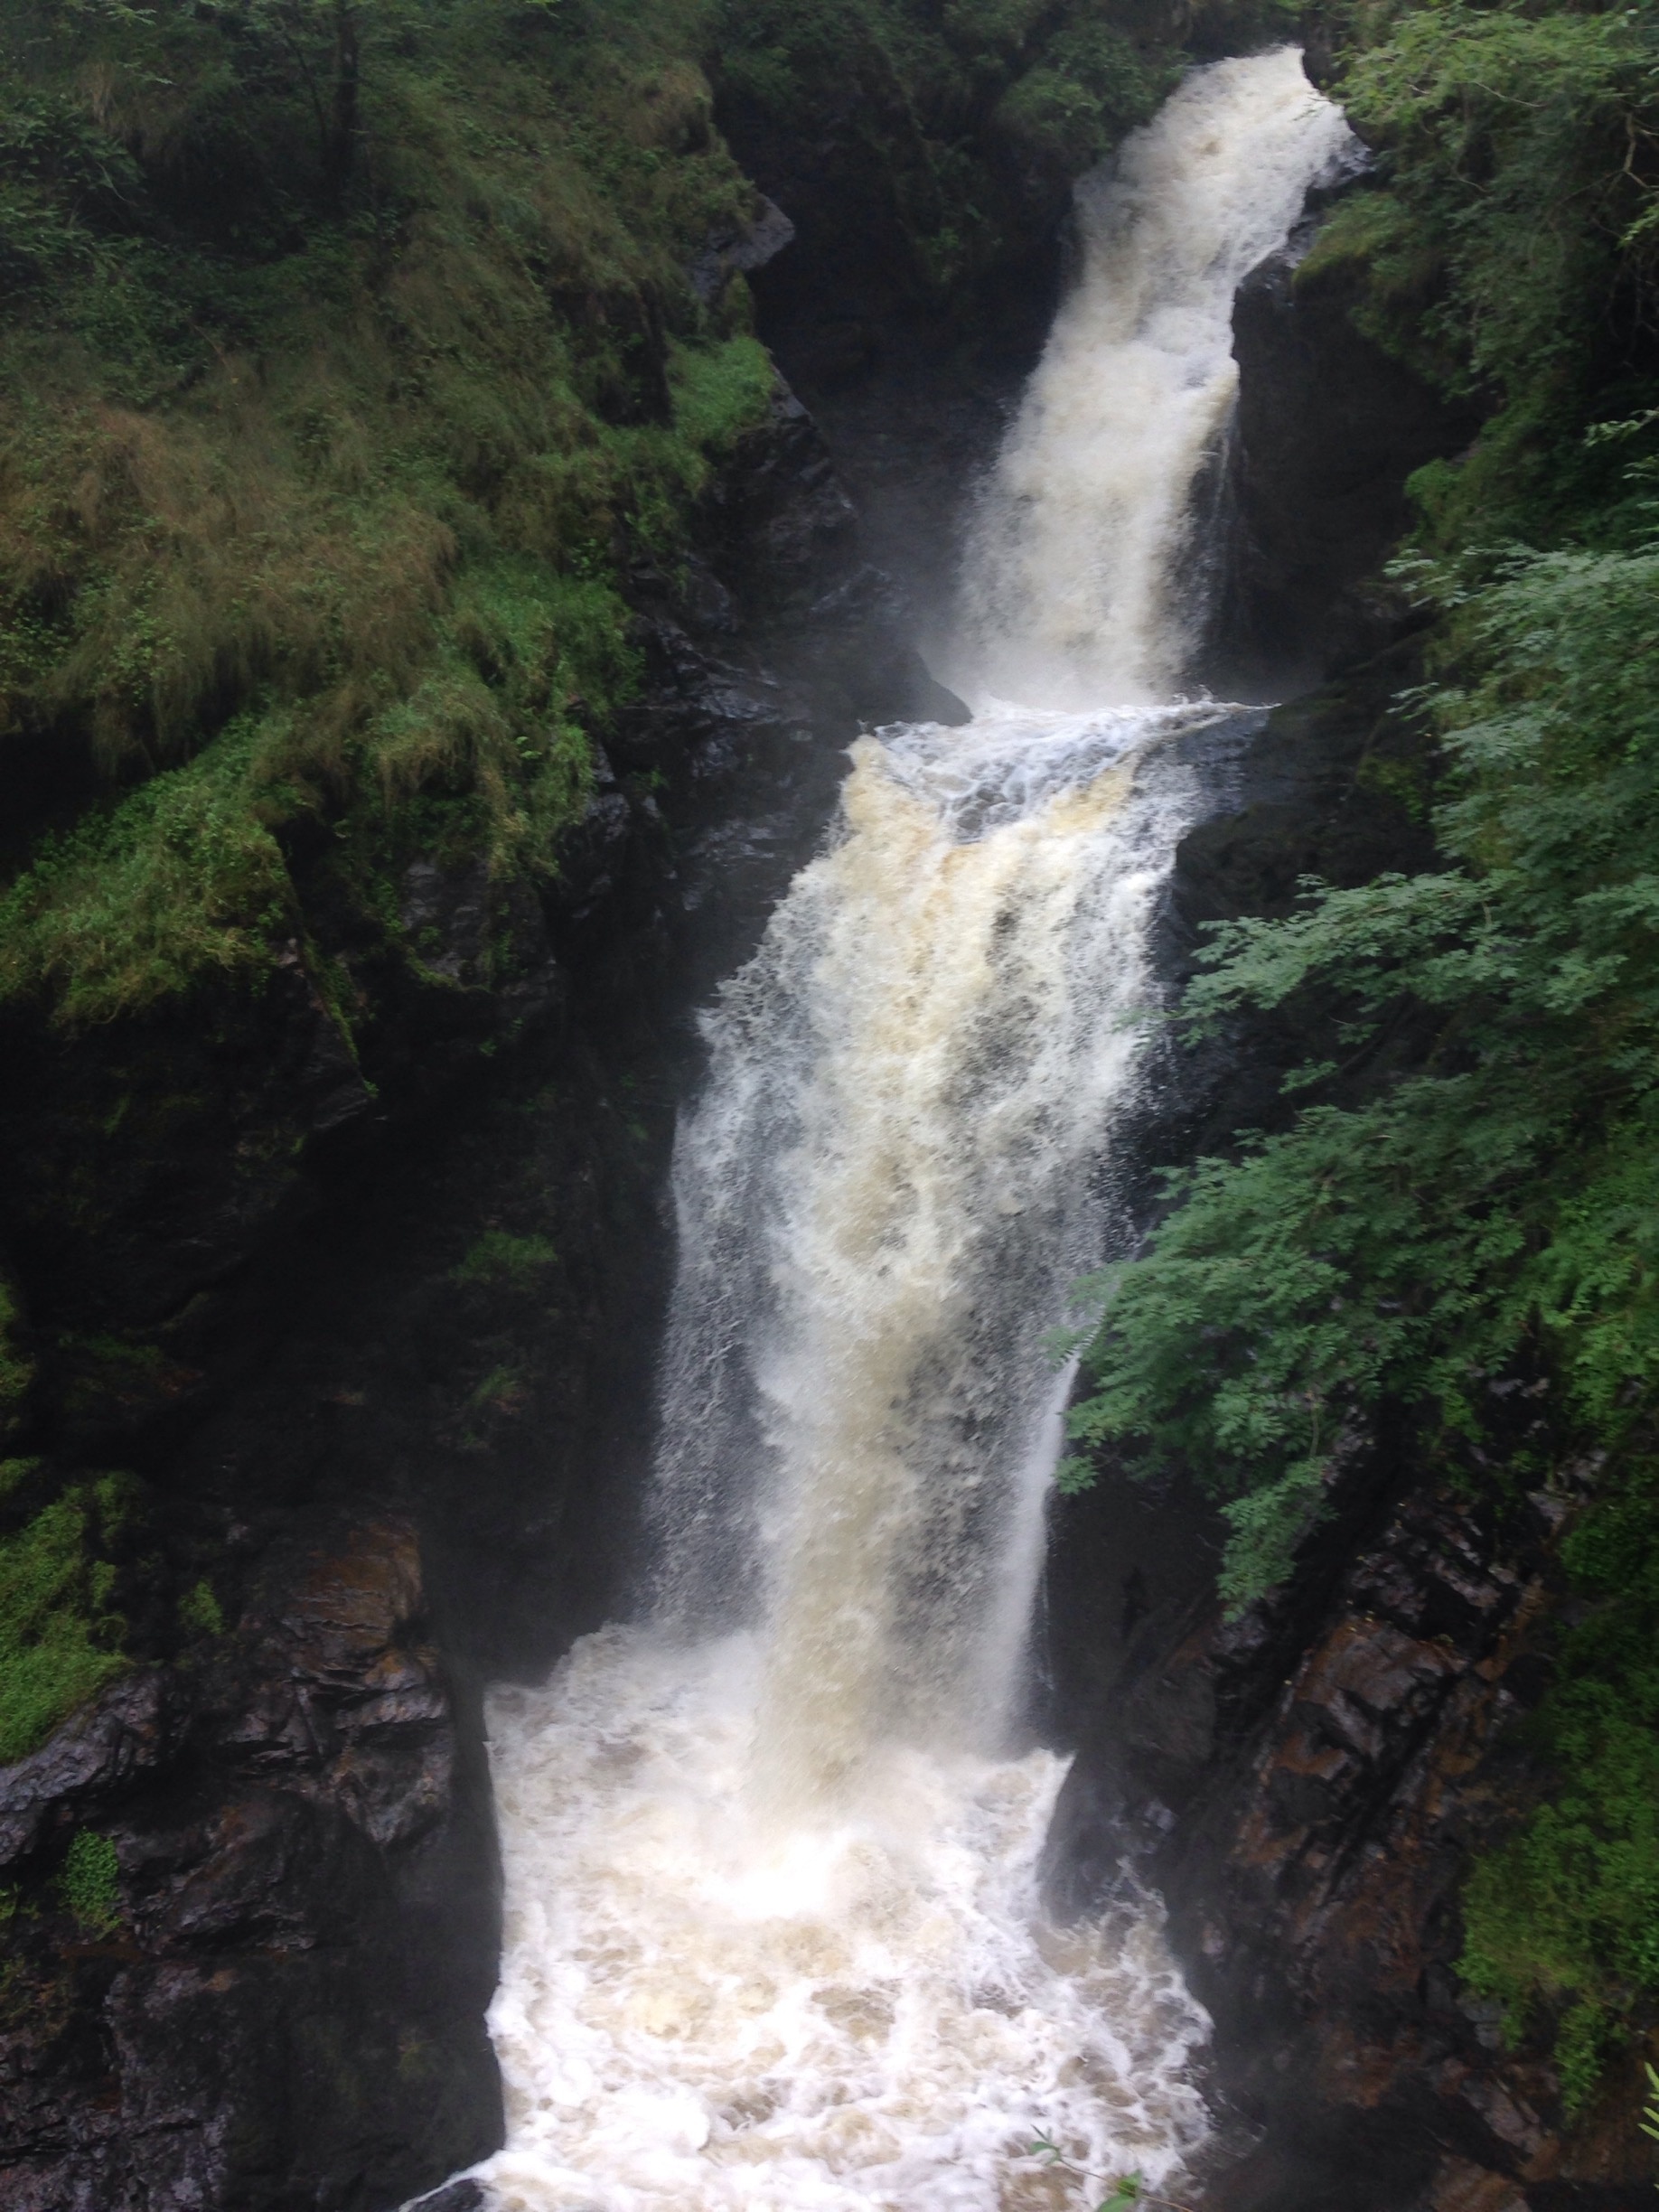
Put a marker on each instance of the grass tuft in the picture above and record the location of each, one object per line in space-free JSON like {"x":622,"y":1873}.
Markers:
{"x":58,"y":1637}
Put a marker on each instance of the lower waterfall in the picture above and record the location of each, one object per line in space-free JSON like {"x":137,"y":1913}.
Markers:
{"x":774,"y":1938}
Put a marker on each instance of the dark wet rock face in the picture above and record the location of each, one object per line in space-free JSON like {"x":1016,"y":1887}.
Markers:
{"x":281,"y":2004}
{"x":1304,"y":1787}
{"x":1327,"y":429}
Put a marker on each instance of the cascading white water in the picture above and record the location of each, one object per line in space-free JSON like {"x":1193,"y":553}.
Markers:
{"x":774,"y":1940}
{"x":1086,"y":570}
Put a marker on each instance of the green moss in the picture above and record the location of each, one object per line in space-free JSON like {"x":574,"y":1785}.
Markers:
{"x":498,"y":1256}
{"x":180,"y":881}
{"x":719,"y":392}
{"x":314,"y":487}
{"x":199,"y":1611}
{"x":59,"y":1641}
{"x":89,"y":1882}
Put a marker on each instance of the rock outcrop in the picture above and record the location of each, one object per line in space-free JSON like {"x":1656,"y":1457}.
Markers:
{"x":1304,"y":1786}
{"x":277,"y":2000}
{"x":1328,"y":428}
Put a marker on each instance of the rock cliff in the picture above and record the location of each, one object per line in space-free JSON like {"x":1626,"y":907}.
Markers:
{"x":1305,"y":1785}
{"x":364,"y":1335}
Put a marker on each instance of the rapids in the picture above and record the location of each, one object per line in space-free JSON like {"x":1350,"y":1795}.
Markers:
{"x":773,"y":1938}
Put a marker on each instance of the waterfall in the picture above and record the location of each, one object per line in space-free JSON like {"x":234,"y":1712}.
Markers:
{"x":773,"y":1941}
{"x":1086,"y":572}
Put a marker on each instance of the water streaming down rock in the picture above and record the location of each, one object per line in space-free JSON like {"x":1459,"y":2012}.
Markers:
{"x":884,"y":1196}
{"x":1087,"y":566}
{"x":774,"y":1940}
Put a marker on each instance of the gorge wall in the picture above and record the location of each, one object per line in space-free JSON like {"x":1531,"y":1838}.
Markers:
{"x":1307,"y":1785}
{"x":394,"y":1423}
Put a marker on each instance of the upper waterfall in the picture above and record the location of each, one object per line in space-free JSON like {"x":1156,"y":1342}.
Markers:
{"x":1086,"y":562}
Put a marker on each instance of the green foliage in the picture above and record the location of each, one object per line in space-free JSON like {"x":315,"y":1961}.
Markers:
{"x":314,"y":484}
{"x":59,"y":1640}
{"x":498,"y":1257}
{"x":201,"y":1612}
{"x":1512,"y":247}
{"x":89,"y":1882}
{"x":1565,"y":1914}
{"x":1092,"y":86}
{"x":1509,"y":141}
{"x":1492,"y":1210}
{"x":180,"y":880}
{"x":721,"y":392}
{"x":958,"y":112}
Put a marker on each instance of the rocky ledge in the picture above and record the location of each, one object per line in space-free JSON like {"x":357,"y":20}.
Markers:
{"x":1304,"y":1786}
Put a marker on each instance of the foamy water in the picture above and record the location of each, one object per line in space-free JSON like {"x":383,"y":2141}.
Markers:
{"x":702,"y":2011}
{"x":1088,"y":571}
{"x":884,"y":1195}
{"x":773,"y":1939}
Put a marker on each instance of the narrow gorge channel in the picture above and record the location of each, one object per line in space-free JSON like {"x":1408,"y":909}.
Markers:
{"x":774,"y":1935}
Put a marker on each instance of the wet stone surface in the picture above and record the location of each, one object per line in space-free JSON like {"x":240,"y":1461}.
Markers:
{"x":280,"y":2002}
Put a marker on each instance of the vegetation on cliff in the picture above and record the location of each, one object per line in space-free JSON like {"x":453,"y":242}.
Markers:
{"x":352,"y":353}
{"x":350,"y":359}
{"x":60,"y":1637}
{"x":1485,"y":1219}
{"x":967,"y":121}
{"x":1455,"y":1228}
